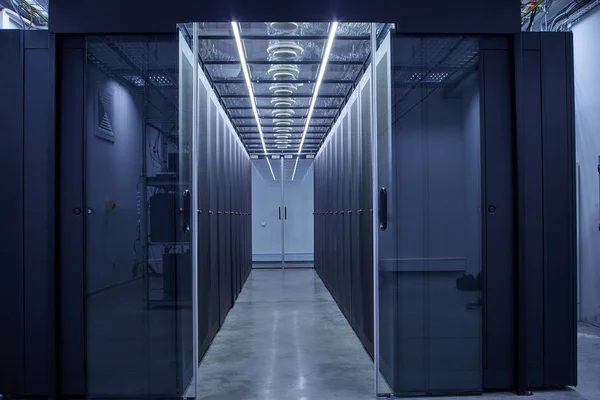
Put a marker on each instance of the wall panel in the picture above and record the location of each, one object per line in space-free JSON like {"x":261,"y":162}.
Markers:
{"x":435,"y":16}
{"x":12,"y":368}
{"x":28,"y":154}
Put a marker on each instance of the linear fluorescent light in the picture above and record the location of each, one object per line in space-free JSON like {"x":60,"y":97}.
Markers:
{"x":240,"y":47}
{"x":313,"y":101}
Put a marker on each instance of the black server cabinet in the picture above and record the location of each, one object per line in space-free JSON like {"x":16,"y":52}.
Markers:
{"x":365,"y":209}
{"x":546,"y":208}
{"x":527,"y":246}
{"x":27,"y":152}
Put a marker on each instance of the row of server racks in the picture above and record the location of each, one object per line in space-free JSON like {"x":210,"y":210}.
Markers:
{"x":344,"y":213}
{"x":224,"y":203}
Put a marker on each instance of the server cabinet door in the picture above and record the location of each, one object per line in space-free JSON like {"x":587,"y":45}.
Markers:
{"x":213,"y":222}
{"x":223,"y":232}
{"x":429,"y":214}
{"x":365,"y":215}
{"x":139,"y":219}
{"x":208,"y":288}
{"x":353,"y":216}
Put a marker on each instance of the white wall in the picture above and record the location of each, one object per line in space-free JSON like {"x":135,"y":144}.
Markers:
{"x":299,"y":227}
{"x":587,"y":121}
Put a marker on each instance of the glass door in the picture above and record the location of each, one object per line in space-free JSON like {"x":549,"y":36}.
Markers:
{"x":186,"y":192}
{"x":428,"y":215}
{"x":140,"y":258}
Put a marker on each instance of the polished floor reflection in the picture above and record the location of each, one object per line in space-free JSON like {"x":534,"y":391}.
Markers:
{"x":286,"y":338}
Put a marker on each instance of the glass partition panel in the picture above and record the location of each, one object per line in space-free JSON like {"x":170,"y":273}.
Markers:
{"x":429,"y":233}
{"x":138,"y":233}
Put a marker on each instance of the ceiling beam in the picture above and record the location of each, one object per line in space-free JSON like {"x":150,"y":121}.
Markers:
{"x":272,"y":81}
{"x":267,"y":62}
{"x":270,"y":96}
{"x":274,"y":117}
{"x":277,"y":126}
{"x":282,"y":37}
{"x":279,"y":108}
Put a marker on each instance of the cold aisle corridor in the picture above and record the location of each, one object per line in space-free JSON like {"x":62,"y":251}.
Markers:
{"x":285,"y":338}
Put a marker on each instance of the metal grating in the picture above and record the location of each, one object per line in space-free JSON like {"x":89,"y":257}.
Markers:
{"x":147,"y":65}
{"x":425,"y":65}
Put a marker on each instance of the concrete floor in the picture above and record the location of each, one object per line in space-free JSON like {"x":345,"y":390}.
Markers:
{"x":286,"y":338}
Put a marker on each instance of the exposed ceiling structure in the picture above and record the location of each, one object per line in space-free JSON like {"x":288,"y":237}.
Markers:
{"x":31,"y":14}
{"x":283,"y":62}
{"x":553,"y":15}
{"x":424,"y":65}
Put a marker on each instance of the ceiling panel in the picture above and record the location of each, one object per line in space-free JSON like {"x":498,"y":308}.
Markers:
{"x":284,"y":61}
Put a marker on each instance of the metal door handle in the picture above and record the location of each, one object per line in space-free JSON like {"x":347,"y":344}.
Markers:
{"x":187,"y":208}
{"x":383,"y":203}
{"x":279,"y":212}
{"x":285,"y":212}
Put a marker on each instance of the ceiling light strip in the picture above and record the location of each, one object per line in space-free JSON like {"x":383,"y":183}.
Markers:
{"x":240,"y":47}
{"x":313,"y":101}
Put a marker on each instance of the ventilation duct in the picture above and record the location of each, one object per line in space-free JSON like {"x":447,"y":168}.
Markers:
{"x":283,"y":121}
{"x":283,"y":88}
{"x":283,"y":71}
{"x":283,"y":112}
{"x":284,"y":50}
{"x":283,"y":102}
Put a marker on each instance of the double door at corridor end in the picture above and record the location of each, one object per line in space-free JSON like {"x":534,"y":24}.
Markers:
{"x":282,"y":213}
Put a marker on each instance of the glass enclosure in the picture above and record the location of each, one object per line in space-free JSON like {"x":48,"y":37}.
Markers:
{"x":170,"y":128}
{"x":139,"y":264}
{"x":429,"y":215}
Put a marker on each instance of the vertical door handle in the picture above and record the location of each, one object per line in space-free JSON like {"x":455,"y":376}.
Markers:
{"x":279,"y":212}
{"x":187,"y":208}
{"x":383,"y":203}
{"x":285,"y":212}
